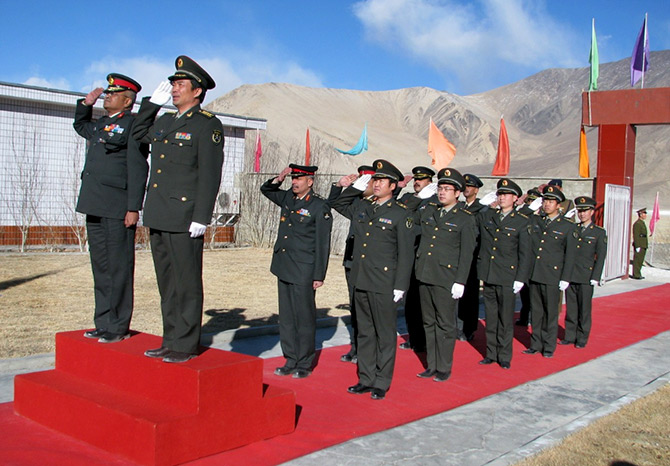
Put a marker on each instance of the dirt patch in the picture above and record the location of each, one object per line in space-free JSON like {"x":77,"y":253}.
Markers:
{"x":41,"y":294}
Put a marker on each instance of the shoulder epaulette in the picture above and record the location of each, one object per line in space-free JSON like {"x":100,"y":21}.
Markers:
{"x":522,"y":214}
{"x":206,"y":113}
{"x":466,"y":211}
{"x":401,"y":204}
{"x":170,"y":113}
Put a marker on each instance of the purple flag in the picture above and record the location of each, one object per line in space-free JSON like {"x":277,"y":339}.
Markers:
{"x":639,"y":63}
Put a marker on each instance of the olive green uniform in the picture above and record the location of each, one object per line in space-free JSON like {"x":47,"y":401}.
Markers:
{"x":639,"y":241}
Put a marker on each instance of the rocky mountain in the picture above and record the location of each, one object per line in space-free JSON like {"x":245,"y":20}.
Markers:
{"x":542,"y":115}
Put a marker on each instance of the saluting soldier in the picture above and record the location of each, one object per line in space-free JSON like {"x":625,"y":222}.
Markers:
{"x":640,"y":243}
{"x":347,"y":260}
{"x":111,"y":195}
{"x":448,"y":239}
{"x":423,"y":177}
{"x":468,"y":305}
{"x":299,"y":261}
{"x":186,"y":161}
{"x":552,"y":242}
{"x":504,"y":266}
{"x":381,"y":269}
{"x":591,"y":249}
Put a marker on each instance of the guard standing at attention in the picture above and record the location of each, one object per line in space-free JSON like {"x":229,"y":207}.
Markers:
{"x":529,"y":202}
{"x":448,"y":238}
{"x":299,"y":261}
{"x":640,"y":243}
{"x":186,"y":162}
{"x":381,"y":269}
{"x":552,"y":242}
{"x":111,"y":195}
{"x":504,"y":266}
{"x":423,"y":176}
{"x":468,"y":305}
{"x":591,"y":249}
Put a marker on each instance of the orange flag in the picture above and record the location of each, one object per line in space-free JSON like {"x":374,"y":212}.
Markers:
{"x":439,"y":148}
{"x":501,"y":167}
{"x":583,"y":155}
{"x":307,"y":150}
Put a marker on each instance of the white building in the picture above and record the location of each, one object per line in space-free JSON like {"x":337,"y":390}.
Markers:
{"x":41,"y":158}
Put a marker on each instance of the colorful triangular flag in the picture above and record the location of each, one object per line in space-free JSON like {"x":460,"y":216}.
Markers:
{"x":439,"y":148}
{"x":501,"y":167}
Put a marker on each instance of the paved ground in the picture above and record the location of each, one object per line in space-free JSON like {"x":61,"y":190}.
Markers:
{"x":498,"y":430}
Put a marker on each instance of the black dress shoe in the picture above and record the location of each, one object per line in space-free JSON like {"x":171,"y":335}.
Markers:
{"x":505,"y":365}
{"x":405,"y":345}
{"x":378,"y":394}
{"x":109,"y":337}
{"x":470,"y":337}
{"x":486,"y":361}
{"x":359,"y":388}
{"x":302,"y":373}
{"x":284,"y":370}
{"x":564,"y":342}
{"x":426,"y":374}
{"x":178,"y":356}
{"x":442,"y":376}
{"x":548,"y":355}
{"x":157,"y":352}
{"x":530,"y":351}
{"x":97,"y":333}
{"x":349,"y":357}
{"x":580,"y":345}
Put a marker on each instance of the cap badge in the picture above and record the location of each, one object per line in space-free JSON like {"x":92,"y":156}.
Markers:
{"x":180,"y":63}
{"x":504,"y":182}
{"x":447,"y":172}
{"x":110,"y":80}
{"x":582,"y":200}
{"x":550,"y":189}
{"x":379,"y":165}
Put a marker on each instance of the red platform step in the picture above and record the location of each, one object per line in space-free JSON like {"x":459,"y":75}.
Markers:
{"x":151,"y":412}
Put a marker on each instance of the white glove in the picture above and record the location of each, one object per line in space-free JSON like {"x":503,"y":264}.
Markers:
{"x":517,"y":287}
{"x":489,"y":198}
{"x":362,"y":183}
{"x":397,"y":294}
{"x":637,"y":249}
{"x":197,"y":229}
{"x":563,"y":285}
{"x":571,"y":213}
{"x":428,"y":191}
{"x":536,"y":204}
{"x":162,"y":94}
{"x":594,"y":283}
{"x":457,"y":291}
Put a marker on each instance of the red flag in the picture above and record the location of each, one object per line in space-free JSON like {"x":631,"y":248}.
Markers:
{"x":655,"y":215}
{"x":259,"y":152}
{"x":307,"y":150}
{"x":439,"y":148}
{"x":501,"y":167}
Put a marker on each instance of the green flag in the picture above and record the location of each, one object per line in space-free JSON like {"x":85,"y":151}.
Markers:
{"x":593,"y":59}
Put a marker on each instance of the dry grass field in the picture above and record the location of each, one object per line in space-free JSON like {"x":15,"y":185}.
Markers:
{"x":41,"y":294}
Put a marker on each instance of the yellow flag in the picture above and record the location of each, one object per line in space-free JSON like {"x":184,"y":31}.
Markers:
{"x":583,"y":155}
{"x":439,"y":148}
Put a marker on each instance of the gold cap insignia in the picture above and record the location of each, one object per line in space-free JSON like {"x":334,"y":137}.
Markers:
{"x":582,"y":200}
{"x":180,"y":63}
{"x":447,"y":172}
{"x":550,"y":189}
{"x":504,"y":183}
{"x":110,"y":80}
{"x":379,"y":165}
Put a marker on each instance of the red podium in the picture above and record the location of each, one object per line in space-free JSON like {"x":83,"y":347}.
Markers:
{"x":151,"y":412}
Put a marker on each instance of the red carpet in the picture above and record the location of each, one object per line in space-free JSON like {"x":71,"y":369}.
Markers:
{"x":328,"y":415}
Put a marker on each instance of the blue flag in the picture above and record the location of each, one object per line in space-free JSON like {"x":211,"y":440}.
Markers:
{"x":361,"y":145}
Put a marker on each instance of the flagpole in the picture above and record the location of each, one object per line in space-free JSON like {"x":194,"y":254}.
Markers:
{"x":644,"y":45}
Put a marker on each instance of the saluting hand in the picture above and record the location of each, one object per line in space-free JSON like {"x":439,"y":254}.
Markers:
{"x":362,"y":182}
{"x":282,"y":175}
{"x":162,"y":94}
{"x":93,"y":96}
{"x":346,"y":181}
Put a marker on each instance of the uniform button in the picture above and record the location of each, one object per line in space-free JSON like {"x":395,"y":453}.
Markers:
{"x":539,"y":249}
{"x":165,"y":142}
{"x":449,"y":266}
{"x":155,"y":185}
{"x":370,"y":223}
{"x":430,"y":253}
{"x":434,"y":236}
{"x":556,"y":267}
{"x":383,"y":228}
{"x":181,"y":144}
{"x":367,"y":233}
{"x":497,"y":230}
{"x":494,"y":248}
{"x":511,"y":267}
{"x":285,"y":237}
{"x":493,"y":257}
{"x":579,"y":246}
{"x":162,"y":156}
{"x":432,"y":245}
{"x":365,"y":245}
{"x":159,"y":171}
{"x":385,"y":269}
{"x":541,"y":241}
{"x":283,"y":250}
{"x":184,"y":199}
{"x":362,"y":256}
{"x":544,"y":233}
{"x":289,"y":224}
{"x":537,"y":257}
{"x":495,"y":239}
{"x":436,"y":228}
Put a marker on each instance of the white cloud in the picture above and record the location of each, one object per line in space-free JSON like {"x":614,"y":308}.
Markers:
{"x":471,"y":41}
{"x":59,"y":83}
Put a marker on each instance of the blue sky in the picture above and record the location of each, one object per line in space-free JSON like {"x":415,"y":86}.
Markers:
{"x":458,"y":46}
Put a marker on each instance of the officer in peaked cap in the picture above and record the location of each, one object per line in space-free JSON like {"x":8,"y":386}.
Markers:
{"x":112,"y":190}
{"x":443,"y":260}
{"x":553,"y":251}
{"x":381,"y":269}
{"x":299,"y":261}
{"x":347,"y":260}
{"x":504,"y":266}
{"x":186,"y":163}
{"x":640,"y":243}
{"x":416,"y":341}
{"x":591,"y":249}
{"x":468,"y":305}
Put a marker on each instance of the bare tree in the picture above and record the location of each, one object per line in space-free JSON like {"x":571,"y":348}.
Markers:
{"x":70,"y":193}
{"x":25,"y":178}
